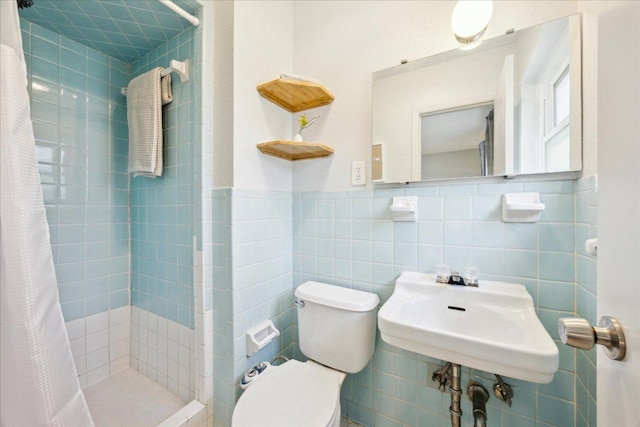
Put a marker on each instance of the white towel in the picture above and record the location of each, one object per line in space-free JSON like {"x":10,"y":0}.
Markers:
{"x":167,"y":95}
{"x":144,"y":115}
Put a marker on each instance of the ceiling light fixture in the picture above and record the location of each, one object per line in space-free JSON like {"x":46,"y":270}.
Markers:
{"x":470,"y":18}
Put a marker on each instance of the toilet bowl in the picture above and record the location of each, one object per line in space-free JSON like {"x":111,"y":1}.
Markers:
{"x":336,"y":331}
{"x":295,"y":394}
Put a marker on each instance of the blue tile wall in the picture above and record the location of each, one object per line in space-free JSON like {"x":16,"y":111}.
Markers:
{"x":80,"y":129}
{"x":261,"y":254}
{"x":348,"y":239}
{"x":252,"y":282}
{"x":223,"y":380}
{"x":586,"y":191}
{"x":163,"y":210}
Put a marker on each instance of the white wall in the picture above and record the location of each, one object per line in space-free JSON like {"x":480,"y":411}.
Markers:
{"x":222,"y":121}
{"x":263,"y":49}
{"x":342,"y":43}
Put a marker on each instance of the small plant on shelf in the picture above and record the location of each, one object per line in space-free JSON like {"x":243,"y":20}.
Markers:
{"x":304,"y":123}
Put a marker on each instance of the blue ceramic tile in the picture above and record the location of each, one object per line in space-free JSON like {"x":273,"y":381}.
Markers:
{"x":405,"y":254}
{"x":561,"y":386}
{"x":45,"y":70}
{"x":406,"y":232}
{"x":362,"y":208}
{"x":87,"y":22}
{"x":556,"y":266}
{"x":362,"y":230}
{"x":519,"y":263}
{"x":382,"y":230}
{"x":457,"y":208}
{"x":342,"y":209}
{"x":558,"y":208}
{"x":430,"y":208}
{"x":556,"y":237}
{"x":549,"y":187}
{"x":430,"y":232}
{"x":520,"y":235}
{"x":429,"y":257}
{"x":487,"y":261}
{"x":501,"y":188}
{"x":486,"y":208}
{"x":555,"y":411}
{"x":458,"y":190}
{"x":487,"y":234}
{"x":457,"y":233}
{"x":556,"y":295}
{"x":457,"y":257}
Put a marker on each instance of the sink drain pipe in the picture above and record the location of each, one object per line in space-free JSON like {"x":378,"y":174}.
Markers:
{"x":456,"y":392}
{"x":478,"y":396}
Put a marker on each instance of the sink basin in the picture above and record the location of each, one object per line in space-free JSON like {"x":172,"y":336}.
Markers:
{"x":492,"y":328}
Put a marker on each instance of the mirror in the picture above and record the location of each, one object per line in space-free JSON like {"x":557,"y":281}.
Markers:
{"x":509,"y":106}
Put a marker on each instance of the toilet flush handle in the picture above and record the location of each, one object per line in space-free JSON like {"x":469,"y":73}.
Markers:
{"x":298,"y":303}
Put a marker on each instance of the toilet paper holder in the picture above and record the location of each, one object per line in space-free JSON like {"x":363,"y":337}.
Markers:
{"x":260,"y":335}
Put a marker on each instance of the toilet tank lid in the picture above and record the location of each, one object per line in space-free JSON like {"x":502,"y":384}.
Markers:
{"x":337,"y":297}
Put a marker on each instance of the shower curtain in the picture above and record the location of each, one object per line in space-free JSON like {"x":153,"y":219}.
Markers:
{"x":38,"y":380}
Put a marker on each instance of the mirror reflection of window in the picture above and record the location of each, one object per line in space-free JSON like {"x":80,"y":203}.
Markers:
{"x":561,"y":98}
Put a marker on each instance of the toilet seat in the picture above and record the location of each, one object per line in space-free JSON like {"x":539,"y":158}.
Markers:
{"x":295,"y":394}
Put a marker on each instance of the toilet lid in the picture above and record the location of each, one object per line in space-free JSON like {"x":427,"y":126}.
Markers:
{"x":295,"y":394}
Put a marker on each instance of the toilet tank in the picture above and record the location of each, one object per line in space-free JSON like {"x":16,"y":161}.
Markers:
{"x":336,"y":326}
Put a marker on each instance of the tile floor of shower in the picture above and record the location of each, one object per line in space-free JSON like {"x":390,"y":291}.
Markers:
{"x":141,"y":402}
{"x":128,"y":398}
{"x":111,"y":347}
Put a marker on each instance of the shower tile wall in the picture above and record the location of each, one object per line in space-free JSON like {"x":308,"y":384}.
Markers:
{"x":348,"y":239}
{"x":586,"y":292}
{"x":162,"y":209}
{"x":163,"y":218}
{"x":79,"y":121}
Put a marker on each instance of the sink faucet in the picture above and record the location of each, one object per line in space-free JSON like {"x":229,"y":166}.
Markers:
{"x":454,"y":277}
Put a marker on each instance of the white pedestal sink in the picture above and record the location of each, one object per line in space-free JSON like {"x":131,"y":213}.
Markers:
{"x":492,"y":328}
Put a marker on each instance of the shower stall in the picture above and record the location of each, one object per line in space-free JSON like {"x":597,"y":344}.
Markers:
{"x":130,"y":254}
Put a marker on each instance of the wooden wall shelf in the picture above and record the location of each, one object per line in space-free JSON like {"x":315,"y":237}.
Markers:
{"x":291,"y":150}
{"x":295,"y":95}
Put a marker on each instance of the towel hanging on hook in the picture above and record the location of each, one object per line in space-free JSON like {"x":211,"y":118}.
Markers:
{"x":181,"y":68}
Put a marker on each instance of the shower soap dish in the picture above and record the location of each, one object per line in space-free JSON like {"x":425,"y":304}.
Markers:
{"x":260,"y":335}
{"x":521,"y":207}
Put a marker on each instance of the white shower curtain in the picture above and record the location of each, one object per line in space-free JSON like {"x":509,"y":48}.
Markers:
{"x":38,"y":380}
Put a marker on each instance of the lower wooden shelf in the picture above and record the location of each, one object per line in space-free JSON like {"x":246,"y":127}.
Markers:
{"x":292,"y":150}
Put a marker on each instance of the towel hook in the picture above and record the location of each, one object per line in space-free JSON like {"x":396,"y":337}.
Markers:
{"x":181,"y":68}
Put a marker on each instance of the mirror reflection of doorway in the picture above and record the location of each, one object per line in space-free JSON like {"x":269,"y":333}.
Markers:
{"x":457,"y":143}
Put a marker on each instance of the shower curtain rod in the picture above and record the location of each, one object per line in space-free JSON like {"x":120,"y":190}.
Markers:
{"x":180,"y":11}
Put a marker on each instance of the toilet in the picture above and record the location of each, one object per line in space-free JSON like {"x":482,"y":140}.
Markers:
{"x":337,"y":332}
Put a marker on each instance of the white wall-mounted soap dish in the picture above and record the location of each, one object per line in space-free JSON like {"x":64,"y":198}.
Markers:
{"x":521,"y":207}
{"x":404,"y":208}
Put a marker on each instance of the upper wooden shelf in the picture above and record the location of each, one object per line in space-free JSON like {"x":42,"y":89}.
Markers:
{"x":296,"y":95}
{"x":291,"y":150}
